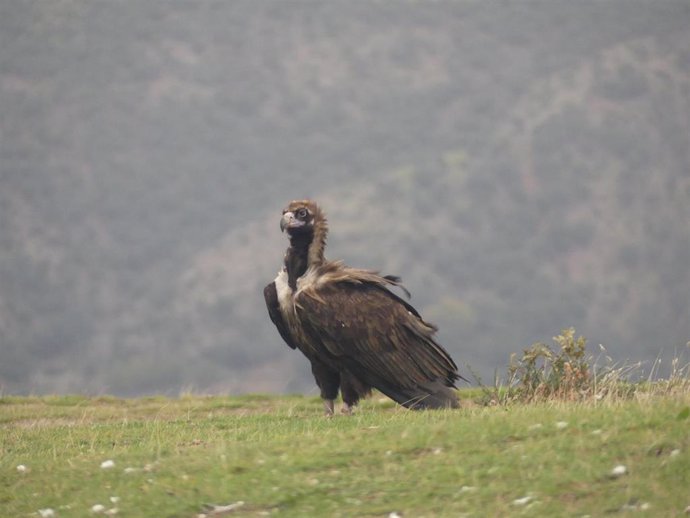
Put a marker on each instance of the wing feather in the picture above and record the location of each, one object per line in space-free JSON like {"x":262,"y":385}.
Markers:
{"x":273,"y":306}
{"x":373,"y":330}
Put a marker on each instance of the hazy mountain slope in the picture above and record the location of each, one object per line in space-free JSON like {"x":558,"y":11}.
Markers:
{"x":524,"y":167}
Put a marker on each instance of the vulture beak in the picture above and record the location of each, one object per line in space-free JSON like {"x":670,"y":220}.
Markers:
{"x":289,"y":221}
{"x":285,"y":220}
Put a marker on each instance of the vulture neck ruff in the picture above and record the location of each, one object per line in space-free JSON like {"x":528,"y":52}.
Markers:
{"x":318,"y":243}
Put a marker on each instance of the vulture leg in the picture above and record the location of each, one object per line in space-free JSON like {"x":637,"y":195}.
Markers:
{"x":329,"y":407}
{"x":328,"y":381}
{"x":352,"y":390}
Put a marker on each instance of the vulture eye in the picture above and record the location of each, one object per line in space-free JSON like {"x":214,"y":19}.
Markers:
{"x":302,"y":213}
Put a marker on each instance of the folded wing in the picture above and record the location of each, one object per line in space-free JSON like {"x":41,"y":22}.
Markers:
{"x":381,"y":339}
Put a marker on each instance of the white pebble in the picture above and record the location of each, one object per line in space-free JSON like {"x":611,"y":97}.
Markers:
{"x":619,"y":470}
{"x":673,"y":453}
{"x":98,"y":508}
{"x":222,"y":509}
{"x":107,"y":464}
{"x":561,"y":425}
{"x":46,"y":513}
{"x":21,"y":468}
{"x":522,"y":501}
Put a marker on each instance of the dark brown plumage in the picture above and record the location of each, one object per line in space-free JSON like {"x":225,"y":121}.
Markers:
{"x":356,"y":333}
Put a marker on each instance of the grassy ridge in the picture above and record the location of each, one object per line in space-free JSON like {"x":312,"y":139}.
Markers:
{"x":280,"y":455}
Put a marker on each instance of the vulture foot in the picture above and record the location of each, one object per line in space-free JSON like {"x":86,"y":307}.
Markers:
{"x":328,"y":406}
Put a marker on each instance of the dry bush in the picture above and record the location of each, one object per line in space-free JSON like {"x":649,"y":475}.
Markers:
{"x":565,"y":372}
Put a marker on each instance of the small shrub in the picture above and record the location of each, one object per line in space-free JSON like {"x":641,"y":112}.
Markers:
{"x":564,"y":371}
{"x":546,"y":372}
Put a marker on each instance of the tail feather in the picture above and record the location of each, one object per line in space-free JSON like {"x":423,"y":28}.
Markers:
{"x":431,"y":395}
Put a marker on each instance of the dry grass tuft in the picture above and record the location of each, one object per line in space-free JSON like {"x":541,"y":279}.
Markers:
{"x":565,"y":372}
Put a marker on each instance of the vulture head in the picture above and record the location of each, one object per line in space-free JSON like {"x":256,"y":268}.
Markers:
{"x":306,"y":226}
{"x":298,"y":217}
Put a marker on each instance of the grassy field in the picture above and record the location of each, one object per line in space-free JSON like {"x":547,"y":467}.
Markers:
{"x":265,"y":455}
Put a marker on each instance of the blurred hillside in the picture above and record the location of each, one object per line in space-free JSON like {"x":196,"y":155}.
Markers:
{"x":524,"y":167}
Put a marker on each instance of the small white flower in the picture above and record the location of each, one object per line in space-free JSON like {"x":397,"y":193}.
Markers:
{"x":114,"y":499}
{"x":561,"y":425}
{"x":522,"y":501}
{"x":98,"y":508}
{"x":21,"y":468}
{"x":619,"y":471}
{"x":46,"y":513}
{"x":107,"y":464}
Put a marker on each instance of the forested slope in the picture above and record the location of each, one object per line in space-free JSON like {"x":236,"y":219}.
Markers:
{"x":524,"y":167}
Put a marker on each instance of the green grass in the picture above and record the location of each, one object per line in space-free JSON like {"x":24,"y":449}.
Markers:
{"x":279,"y":455}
